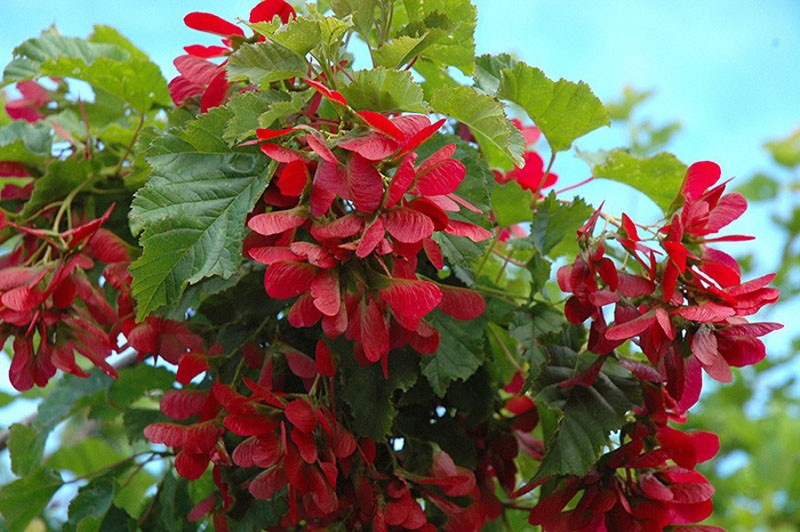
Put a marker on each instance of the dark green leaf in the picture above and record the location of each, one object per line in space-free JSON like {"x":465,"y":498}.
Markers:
{"x":136,"y":419}
{"x":461,"y":351}
{"x":134,"y":382}
{"x":383,"y":90}
{"x":562,"y":110}
{"x":502,"y":143}
{"x":192,"y":211}
{"x":59,"y":180}
{"x":170,"y":507}
{"x":247,"y":107}
{"x":67,"y":396}
{"x":511,"y":204}
{"x":659,"y":177}
{"x":588,"y":414}
{"x":92,"y":501}
{"x":26,"y":447}
{"x":554,"y":221}
{"x":264,"y":62}
{"x":24,"y":499}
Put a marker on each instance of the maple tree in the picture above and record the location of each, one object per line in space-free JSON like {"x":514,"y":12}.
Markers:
{"x":312,"y":297}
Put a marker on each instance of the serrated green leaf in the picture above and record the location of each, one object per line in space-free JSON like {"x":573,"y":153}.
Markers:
{"x":369,"y":394}
{"x":658,"y":177}
{"x":489,"y":71}
{"x":554,"y":221}
{"x":91,"y":504}
{"x":456,"y":45}
{"x":562,"y":110}
{"x":50,"y":45}
{"x":435,"y":77}
{"x":26,"y":448}
{"x":24,"y":142}
{"x":134,"y":382}
{"x":300,"y":35}
{"x":588,"y":414}
{"x":136,"y":419}
{"x":511,"y":204}
{"x":385,"y":91}
{"x":136,"y":81}
{"x":247,"y":107}
{"x":398,"y":52}
{"x":192,"y":211}
{"x":262,"y":63}
{"x":67,"y":396}
{"x":502,"y":143}
{"x":59,"y":180}
{"x":363,"y":12}
{"x":461,"y":352}
{"x":24,"y":499}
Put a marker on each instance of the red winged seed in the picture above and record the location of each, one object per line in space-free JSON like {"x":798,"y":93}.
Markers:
{"x":407,"y":225}
{"x":699,"y":177}
{"x":267,"y":134}
{"x":303,"y":312}
{"x":330,"y":94}
{"x":182,"y":404}
{"x":293,"y":179}
{"x":280,"y":153}
{"x":373,"y":147}
{"x":283,"y":280}
{"x":704,"y":346}
{"x":411,"y":299}
{"x":403,"y":179}
{"x":329,"y":182}
{"x":272,"y":254}
{"x":320,"y":147}
{"x":374,"y":335}
{"x":324,"y":360}
{"x":461,"y":303}
{"x":211,"y":23}
{"x":344,"y":227}
{"x":471,"y":231}
{"x":371,"y":238}
{"x":441,"y":178}
{"x":364,"y":184}
{"x":301,"y":415}
{"x":382,"y":124}
{"x":273,"y":223}
{"x":326,"y":292}
{"x":301,"y":364}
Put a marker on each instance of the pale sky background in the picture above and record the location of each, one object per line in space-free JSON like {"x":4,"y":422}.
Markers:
{"x":728,"y":70}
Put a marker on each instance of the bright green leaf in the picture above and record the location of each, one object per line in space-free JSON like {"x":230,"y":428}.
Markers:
{"x":300,"y":35}
{"x":247,"y":108}
{"x":108,"y":35}
{"x":24,"y":499}
{"x":398,"y":52}
{"x":461,"y":352}
{"x":26,"y":447}
{"x":383,"y":90}
{"x":363,"y":12}
{"x":554,"y":221}
{"x":88,"y":456}
{"x":456,"y":45}
{"x":501,"y":142}
{"x":562,"y":110}
{"x":511,"y":204}
{"x":659,"y":177}
{"x":192,"y":211}
{"x":264,"y":62}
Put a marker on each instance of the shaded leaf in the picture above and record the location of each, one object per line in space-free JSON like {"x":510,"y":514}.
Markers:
{"x":554,"y":221}
{"x":461,"y":352}
{"x":511,"y":204}
{"x":264,"y":62}
{"x":385,"y":90}
{"x":26,"y":447}
{"x":24,"y":499}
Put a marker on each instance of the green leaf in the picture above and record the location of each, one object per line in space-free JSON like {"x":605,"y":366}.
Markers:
{"x":134,"y":382}
{"x":456,"y":45}
{"x":398,"y":52}
{"x":24,"y":142}
{"x":588,"y":414}
{"x":136,"y":81}
{"x":786,"y":152}
{"x":461,"y":352}
{"x":50,"y":45}
{"x":554,"y":221}
{"x":502,"y":143}
{"x":108,"y":35}
{"x":26,"y":448}
{"x":262,"y":63}
{"x":562,"y":110}
{"x":300,"y":35}
{"x":383,"y":90}
{"x":171,"y":505}
{"x":191,"y":213}
{"x":760,"y":187}
{"x":248,"y":109}
{"x":627,"y":104}
{"x":435,"y":77}
{"x":91,"y":504}
{"x":658,"y":177}
{"x":60,"y":178}
{"x":88,"y":456}
{"x":363,"y":12}
{"x":7,"y":399}
{"x":369,"y":394}
{"x":24,"y":499}
{"x":67,"y":396}
{"x":136,"y":419}
{"x":511,"y":204}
